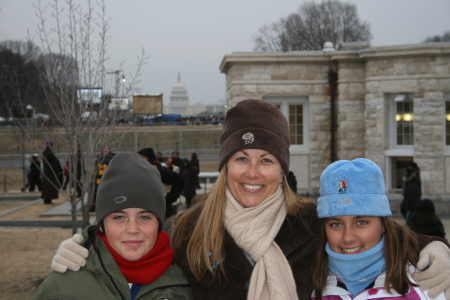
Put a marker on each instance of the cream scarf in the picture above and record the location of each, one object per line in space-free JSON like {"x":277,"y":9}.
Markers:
{"x":254,"y":230}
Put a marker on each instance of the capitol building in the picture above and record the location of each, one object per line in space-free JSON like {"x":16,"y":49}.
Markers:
{"x":179,"y":103}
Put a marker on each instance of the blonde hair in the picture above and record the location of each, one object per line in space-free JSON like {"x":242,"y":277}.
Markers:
{"x":205,"y":239}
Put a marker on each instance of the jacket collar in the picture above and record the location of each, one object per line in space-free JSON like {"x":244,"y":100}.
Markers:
{"x":288,"y":238}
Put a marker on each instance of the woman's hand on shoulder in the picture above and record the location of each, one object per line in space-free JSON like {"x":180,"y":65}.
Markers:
{"x":70,"y":255}
{"x":434,"y":269}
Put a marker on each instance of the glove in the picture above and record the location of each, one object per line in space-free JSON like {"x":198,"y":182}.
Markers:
{"x":434,"y":267}
{"x":70,"y":255}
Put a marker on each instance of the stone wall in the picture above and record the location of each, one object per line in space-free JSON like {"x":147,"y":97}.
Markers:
{"x":426,"y":77}
{"x":365,"y":80}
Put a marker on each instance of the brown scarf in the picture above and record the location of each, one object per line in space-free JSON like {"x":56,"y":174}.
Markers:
{"x":254,"y":230}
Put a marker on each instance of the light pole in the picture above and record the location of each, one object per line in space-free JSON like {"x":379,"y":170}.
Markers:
{"x":118,"y":79}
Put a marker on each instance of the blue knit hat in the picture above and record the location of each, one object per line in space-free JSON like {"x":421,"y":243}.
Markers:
{"x":352,"y":188}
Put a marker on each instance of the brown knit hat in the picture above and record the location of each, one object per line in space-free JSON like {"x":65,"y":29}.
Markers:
{"x":255,"y":124}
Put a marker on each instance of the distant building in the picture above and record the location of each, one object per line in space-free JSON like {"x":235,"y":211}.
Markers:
{"x":179,"y":104}
{"x":147,"y":106}
{"x":179,"y":99}
{"x":388,"y":104}
{"x":195,"y":110}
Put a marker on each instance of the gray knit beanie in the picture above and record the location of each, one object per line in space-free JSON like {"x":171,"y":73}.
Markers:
{"x":255,"y":124}
{"x":130,"y":181}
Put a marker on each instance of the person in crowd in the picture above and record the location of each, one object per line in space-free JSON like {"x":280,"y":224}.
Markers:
{"x":78,"y":169}
{"x":168,"y":177}
{"x":363,"y":253}
{"x":195,"y":162}
{"x":26,"y":171}
{"x":35,"y":173}
{"x":292,"y":181}
{"x":251,"y":237}
{"x":159,"y":157}
{"x":175,"y":168}
{"x":129,"y":256}
{"x":102,"y":164}
{"x":176,"y":160}
{"x":168,"y":163}
{"x":52,"y":174}
{"x":190,"y":175}
{"x":412,"y":191}
{"x":164,"y":162}
{"x":66,"y":174}
{"x":425,"y":221}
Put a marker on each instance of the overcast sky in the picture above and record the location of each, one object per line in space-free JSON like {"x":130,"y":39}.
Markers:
{"x":192,"y":36}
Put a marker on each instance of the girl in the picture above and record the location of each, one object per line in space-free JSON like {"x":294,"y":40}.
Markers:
{"x":363,"y":253}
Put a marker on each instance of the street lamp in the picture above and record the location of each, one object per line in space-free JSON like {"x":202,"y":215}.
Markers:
{"x":118,"y":79}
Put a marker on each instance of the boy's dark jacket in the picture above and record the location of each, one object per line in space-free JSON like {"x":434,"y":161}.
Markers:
{"x":101,"y":279}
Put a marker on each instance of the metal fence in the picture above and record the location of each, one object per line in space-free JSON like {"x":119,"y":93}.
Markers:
{"x":204,"y":141}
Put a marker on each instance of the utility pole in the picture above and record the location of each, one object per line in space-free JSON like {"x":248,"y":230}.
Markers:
{"x":118,"y":79}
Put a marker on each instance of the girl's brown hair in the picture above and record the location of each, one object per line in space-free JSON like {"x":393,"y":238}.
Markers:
{"x":400,"y":248}
{"x":203,"y":241}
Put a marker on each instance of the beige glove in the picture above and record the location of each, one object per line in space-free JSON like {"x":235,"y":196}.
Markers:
{"x":435,"y":278}
{"x":70,"y":255}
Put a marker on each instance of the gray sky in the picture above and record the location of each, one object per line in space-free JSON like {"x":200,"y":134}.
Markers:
{"x":192,"y":36}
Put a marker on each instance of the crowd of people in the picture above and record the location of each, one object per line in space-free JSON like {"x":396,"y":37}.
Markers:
{"x":49,"y":176}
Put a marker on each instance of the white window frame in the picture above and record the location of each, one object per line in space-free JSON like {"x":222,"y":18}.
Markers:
{"x":284,"y":103}
{"x":393,"y":98}
{"x":446,"y":100}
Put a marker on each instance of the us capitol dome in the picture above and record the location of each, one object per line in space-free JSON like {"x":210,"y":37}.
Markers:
{"x":179,"y":99}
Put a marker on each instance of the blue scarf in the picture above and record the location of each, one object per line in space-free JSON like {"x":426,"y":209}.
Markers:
{"x":357,"y":271}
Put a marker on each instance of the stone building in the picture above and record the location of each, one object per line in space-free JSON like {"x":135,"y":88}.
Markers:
{"x":387,"y":104}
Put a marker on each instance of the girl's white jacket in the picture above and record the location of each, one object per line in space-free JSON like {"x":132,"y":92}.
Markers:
{"x":334,"y":292}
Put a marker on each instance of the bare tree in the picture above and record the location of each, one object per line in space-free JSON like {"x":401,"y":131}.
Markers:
{"x":20,"y":90}
{"x":74,"y":44}
{"x":445,"y":38}
{"x":312,"y":26}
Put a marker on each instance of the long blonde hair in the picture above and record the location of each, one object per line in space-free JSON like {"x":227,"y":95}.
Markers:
{"x":205,"y":239}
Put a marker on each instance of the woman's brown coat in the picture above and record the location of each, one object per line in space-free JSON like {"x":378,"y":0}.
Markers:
{"x":297,"y":239}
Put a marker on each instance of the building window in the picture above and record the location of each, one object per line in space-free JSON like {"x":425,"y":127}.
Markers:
{"x":447,"y":119}
{"x":296,"y":123}
{"x":403,"y":119}
{"x":295,"y":111}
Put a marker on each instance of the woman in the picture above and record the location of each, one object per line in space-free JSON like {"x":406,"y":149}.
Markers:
{"x":195,"y":162}
{"x":190,"y":179}
{"x":26,"y":172}
{"x":35,"y":173}
{"x":250,"y":237}
{"x":129,"y":254}
{"x":52,"y":174}
{"x":364,"y":253}
{"x":412,"y":192}
{"x":424,"y":220}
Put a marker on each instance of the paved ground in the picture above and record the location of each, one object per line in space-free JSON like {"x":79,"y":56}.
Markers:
{"x":58,"y":215}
